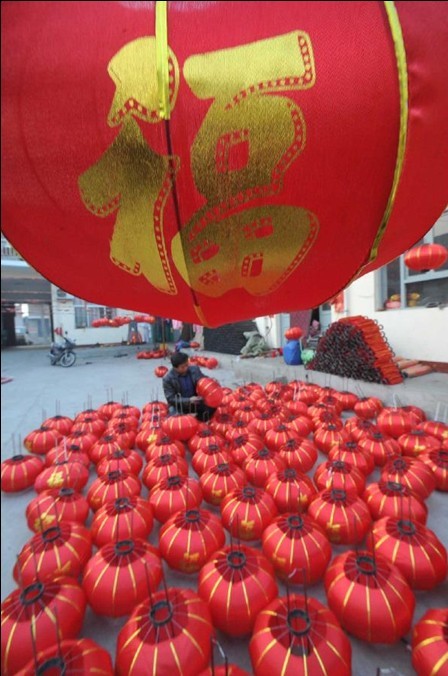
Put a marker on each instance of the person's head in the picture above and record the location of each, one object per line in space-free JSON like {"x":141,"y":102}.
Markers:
{"x":179,"y":362}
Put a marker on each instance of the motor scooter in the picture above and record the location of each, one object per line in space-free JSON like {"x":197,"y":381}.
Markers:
{"x":62,"y":354}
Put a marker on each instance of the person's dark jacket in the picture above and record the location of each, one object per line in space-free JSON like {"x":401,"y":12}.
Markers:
{"x":171,"y":385}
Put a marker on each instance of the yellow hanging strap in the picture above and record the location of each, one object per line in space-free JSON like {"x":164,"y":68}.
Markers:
{"x":400,"y":55}
{"x":162,"y":59}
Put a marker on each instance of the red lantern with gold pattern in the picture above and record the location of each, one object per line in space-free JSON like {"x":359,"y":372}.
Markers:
{"x":242,"y":447}
{"x":163,"y":445}
{"x":103,"y":448}
{"x":162,"y":467}
{"x":260,"y":466}
{"x":302,"y":637}
{"x":368,"y":407}
{"x":418,"y":441}
{"x":435,"y":429}
{"x":180,"y":427}
{"x":381,"y":447}
{"x":155,"y":407}
{"x":166,"y":634}
{"x":210,"y":455}
{"x":220,"y":480}
{"x":127,"y":410}
{"x":344,"y":517}
{"x":301,"y":454}
{"x":70,"y":658}
{"x":426,"y":257}
{"x":174,"y":494}
{"x":278,"y":436}
{"x":351,"y":452}
{"x":437,"y":461}
{"x":245,"y":412}
{"x":369,"y":596}
{"x":430,"y":643}
{"x":329,"y":435}
{"x":237,"y":583}
{"x":40,"y":441}
{"x":20,"y":472}
{"x":302,"y":424}
{"x":297,"y":548}
{"x":63,"y":549}
{"x":390,"y":498}
{"x":394,"y":422}
{"x":411,"y":472}
{"x":291,"y":490}
{"x":62,"y":474}
{"x":111,"y":486}
{"x":89,"y":422}
{"x":122,"y":519}
{"x":124,"y":459}
{"x":57,"y":504}
{"x":61,"y":423}
{"x":189,"y":538}
{"x":121,"y":575}
{"x":413,"y":548}
{"x":339,"y":475}
{"x":211,"y":391}
{"x":34,"y":608}
{"x":246,"y":512}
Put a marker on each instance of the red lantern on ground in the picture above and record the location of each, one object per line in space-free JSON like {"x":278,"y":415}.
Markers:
{"x":163,"y":445}
{"x":389,"y":498}
{"x":303,"y":636}
{"x":291,"y":490}
{"x":293,"y":333}
{"x":437,"y":461}
{"x":297,"y":548}
{"x":82,"y":440}
{"x":123,"y":519}
{"x":414,"y":549}
{"x":203,"y":436}
{"x":211,"y":391}
{"x":63,"y":549}
{"x":301,"y":455}
{"x":121,"y":575}
{"x":278,"y":436}
{"x":209,"y":455}
{"x":220,"y":480}
{"x":55,"y":505}
{"x":430,"y":643}
{"x":245,"y":512}
{"x":417,"y":442}
{"x":89,"y":422}
{"x":242,"y":447}
{"x":426,"y":257}
{"x":329,"y":435}
{"x":111,"y":486}
{"x":412,"y":473}
{"x":169,"y":632}
{"x":175,"y":494}
{"x":260,"y":466}
{"x":344,"y":517}
{"x":104,"y":447}
{"x":347,"y":399}
{"x":352,"y":453}
{"x":368,"y":407}
{"x":358,"y":428}
{"x":69,"y":453}
{"x":379,"y":446}
{"x":106,"y":410}
{"x":125,"y":432}
{"x":394,"y":422}
{"x":163,"y":467}
{"x":212,"y":363}
{"x":435,"y":429}
{"x":237,"y":583}
{"x":62,"y":474}
{"x":180,"y":427}
{"x":40,"y":441}
{"x":189,"y":538}
{"x":71,"y":658}
{"x":20,"y":472}
{"x":125,"y":460}
{"x":62,"y":423}
{"x":370,"y":598}
{"x":35,"y":607}
{"x":160,"y":371}
{"x":339,"y":475}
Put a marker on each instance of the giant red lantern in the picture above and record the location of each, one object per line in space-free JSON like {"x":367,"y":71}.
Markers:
{"x":301,"y":637}
{"x":430,"y":643}
{"x":426,"y":257}
{"x":236,"y":582}
{"x":217,"y":185}
{"x":34,"y":608}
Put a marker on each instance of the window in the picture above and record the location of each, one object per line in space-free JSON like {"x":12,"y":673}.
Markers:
{"x":405,"y":288}
{"x":86,"y":313}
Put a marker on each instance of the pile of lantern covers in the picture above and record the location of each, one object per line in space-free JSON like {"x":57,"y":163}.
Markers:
{"x":121,"y":320}
{"x":240,"y":504}
{"x":356,"y":347}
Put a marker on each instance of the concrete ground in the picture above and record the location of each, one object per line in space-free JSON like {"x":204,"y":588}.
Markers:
{"x":37,"y":390}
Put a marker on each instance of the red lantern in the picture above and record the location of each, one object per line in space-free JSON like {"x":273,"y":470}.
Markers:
{"x":389,"y":498}
{"x":204,"y":436}
{"x":211,"y":363}
{"x":35,"y":607}
{"x":63,"y":549}
{"x":62,"y":423}
{"x":262,"y":423}
{"x":168,"y":633}
{"x":124,"y":460}
{"x":244,"y":446}
{"x":394,"y":422}
{"x":180,"y":427}
{"x":301,"y":455}
{"x":302,"y":424}
{"x":110,"y":487}
{"x":339,"y":475}
{"x":302,"y":636}
{"x":121,"y":575}
{"x":278,"y":436}
{"x":358,"y":428}
{"x":352,"y":453}
{"x":245,"y":512}
{"x":125,"y":433}
{"x":106,"y":410}
{"x":430,"y":643}
{"x":220,"y":480}
{"x":155,"y":406}
{"x":237,"y":583}
{"x":71,"y":658}
{"x":297,"y":548}
{"x":293,"y":333}
{"x":370,"y":598}
{"x":160,"y":371}
{"x":55,"y":505}
{"x":173,"y":495}
{"x":344,"y":517}
{"x":261,"y":465}
{"x":412,"y":473}
{"x":126,"y":410}
{"x":189,"y":538}
{"x":368,"y":407}
{"x":163,"y":467}
{"x":435,"y":429}
{"x":69,"y":453}
{"x":89,"y":422}
{"x":414,"y":549}
{"x":164,"y":445}
{"x":379,"y":446}
{"x":418,"y":441}
{"x":211,"y":391}
{"x":426,"y":257}
{"x":123,"y":519}
{"x":62,"y":474}
{"x":437,"y":461}
{"x":291,"y":490}
{"x":20,"y":472}
{"x":347,"y":399}
{"x":327,"y":436}
{"x":40,"y":441}
{"x":104,"y":447}
{"x":82,"y":440}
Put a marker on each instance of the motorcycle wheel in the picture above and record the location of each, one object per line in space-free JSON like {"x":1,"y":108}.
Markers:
{"x":68,"y":358}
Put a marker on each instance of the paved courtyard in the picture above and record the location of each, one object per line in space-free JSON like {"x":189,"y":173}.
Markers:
{"x":37,"y":390}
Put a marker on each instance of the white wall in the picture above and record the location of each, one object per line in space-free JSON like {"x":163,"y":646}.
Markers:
{"x":413,"y":333}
